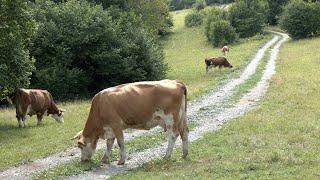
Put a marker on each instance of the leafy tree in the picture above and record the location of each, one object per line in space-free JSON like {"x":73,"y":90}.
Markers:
{"x":221,"y":33}
{"x":276,"y":8}
{"x":154,"y":14}
{"x":193,"y":19}
{"x":214,"y":15}
{"x":200,"y":4}
{"x":81,"y":48}
{"x":248,"y":16}
{"x":301,"y":19}
{"x":16,"y":29}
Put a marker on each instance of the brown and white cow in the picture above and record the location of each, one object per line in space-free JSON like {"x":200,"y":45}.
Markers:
{"x":225,"y":50}
{"x":216,"y":61}
{"x":140,"y":105}
{"x":35,"y":102}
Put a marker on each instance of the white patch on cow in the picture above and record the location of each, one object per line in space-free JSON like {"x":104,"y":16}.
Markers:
{"x":108,"y":133}
{"x":86,"y":152}
{"x":45,"y":113}
{"x":29,"y":109}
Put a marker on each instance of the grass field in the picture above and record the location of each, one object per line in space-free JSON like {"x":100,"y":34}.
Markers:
{"x":280,"y":139}
{"x":185,"y":51}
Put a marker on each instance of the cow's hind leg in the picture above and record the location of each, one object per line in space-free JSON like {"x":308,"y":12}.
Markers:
{"x":120,"y":140}
{"x":184,"y":137}
{"x":172,"y":135}
{"x":106,"y":157}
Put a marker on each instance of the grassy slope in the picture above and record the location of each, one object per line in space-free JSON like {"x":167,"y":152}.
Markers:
{"x":280,"y":139}
{"x":185,"y":51}
{"x":187,"y":48}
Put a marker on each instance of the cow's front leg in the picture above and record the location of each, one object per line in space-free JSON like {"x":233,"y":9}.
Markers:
{"x":106,"y":157}
{"x":39,"y":118}
{"x":120,"y":140}
{"x":19,"y":121}
{"x":24,"y":119}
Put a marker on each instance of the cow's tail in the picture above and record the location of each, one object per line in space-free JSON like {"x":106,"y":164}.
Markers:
{"x":185,"y":92}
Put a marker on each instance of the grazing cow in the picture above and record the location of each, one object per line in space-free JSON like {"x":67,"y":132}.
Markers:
{"x":140,"y":105}
{"x":225,"y":50}
{"x":35,"y":102}
{"x":216,"y":61}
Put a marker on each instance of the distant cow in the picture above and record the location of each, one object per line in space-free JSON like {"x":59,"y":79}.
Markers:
{"x":35,"y":102}
{"x":225,"y":50}
{"x":216,"y":61}
{"x":140,"y":105}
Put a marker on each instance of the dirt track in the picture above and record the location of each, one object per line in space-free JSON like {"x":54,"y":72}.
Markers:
{"x":203,"y":111}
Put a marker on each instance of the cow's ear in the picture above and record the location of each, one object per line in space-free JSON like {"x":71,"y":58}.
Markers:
{"x":81,"y":143}
{"x":62,"y":110}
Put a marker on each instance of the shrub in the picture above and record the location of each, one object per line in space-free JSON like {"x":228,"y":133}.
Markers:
{"x":200,"y":4}
{"x":193,"y":19}
{"x":213,"y":15}
{"x":221,"y":33}
{"x":16,"y":29}
{"x":248,"y":16}
{"x":275,"y":10}
{"x":181,"y":4}
{"x":81,"y":49}
{"x":301,"y":19}
{"x":219,"y":1}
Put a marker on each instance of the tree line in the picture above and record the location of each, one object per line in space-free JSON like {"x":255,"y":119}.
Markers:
{"x":75,"y":48}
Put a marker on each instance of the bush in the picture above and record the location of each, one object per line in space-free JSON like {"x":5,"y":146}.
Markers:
{"x":301,"y":19}
{"x":81,"y":49}
{"x":193,"y":19}
{"x":181,"y":4}
{"x":213,"y":15}
{"x":219,"y":1}
{"x":221,"y":33}
{"x":248,"y":17}
{"x":200,"y":4}
{"x":275,"y":10}
{"x":16,"y":29}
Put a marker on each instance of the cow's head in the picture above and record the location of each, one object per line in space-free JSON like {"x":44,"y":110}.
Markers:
{"x":87,"y":146}
{"x":58,"y":116}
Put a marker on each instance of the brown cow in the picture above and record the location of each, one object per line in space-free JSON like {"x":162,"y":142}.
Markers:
{"x":216,"y":61}
{"x":35,"y":102}
{"x":140,"y":105}
{"x":225,"y":50}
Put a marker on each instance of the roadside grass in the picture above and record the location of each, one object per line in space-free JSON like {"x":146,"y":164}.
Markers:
{"x":280,"y":139}
{"x":22,"y":145}
{"x":185,"y":50}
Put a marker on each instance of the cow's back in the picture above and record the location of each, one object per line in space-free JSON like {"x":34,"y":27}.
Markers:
{"x":135,"y":103}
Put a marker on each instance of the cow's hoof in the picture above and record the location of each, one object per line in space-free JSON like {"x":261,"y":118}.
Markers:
{"x":120,"y":162}
{"x":105,"y":160}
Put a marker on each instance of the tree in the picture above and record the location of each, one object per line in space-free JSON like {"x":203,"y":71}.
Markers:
{"x":248,"y":16}
{"x":16,"y":29}
{"x":221,"y":33}
{"x":276,"y":8}
{"x":301,"y":19}
{"x":80,"y":49}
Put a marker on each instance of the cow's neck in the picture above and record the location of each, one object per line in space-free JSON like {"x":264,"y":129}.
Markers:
{"x":53,"y":109}
{"x":92,"y":131}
